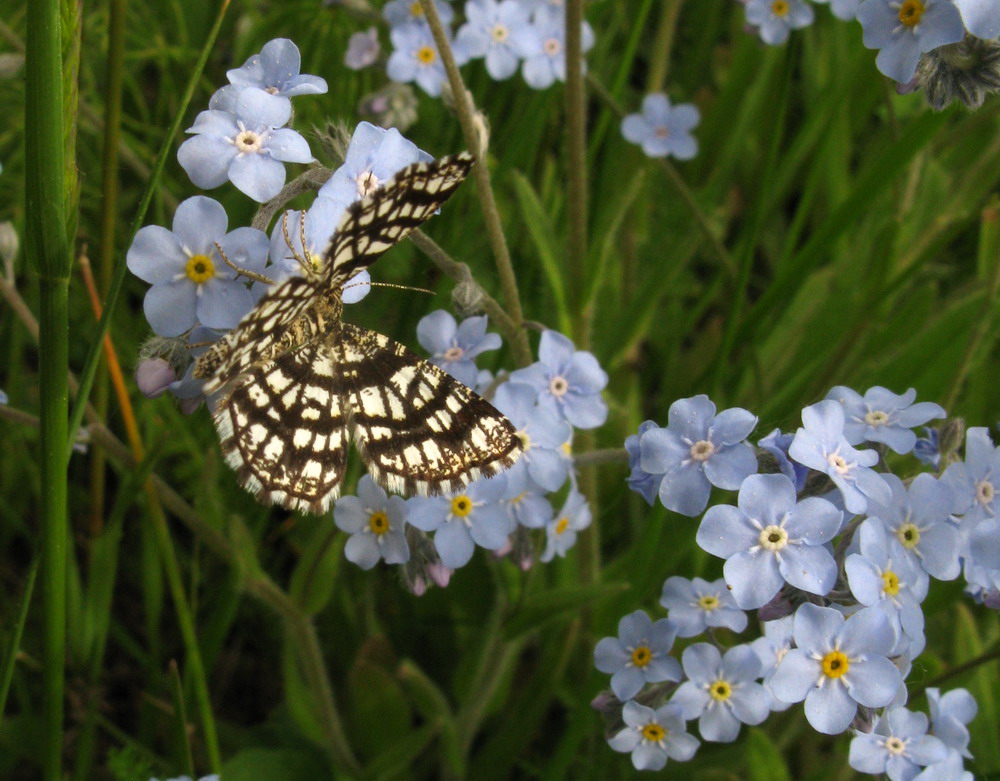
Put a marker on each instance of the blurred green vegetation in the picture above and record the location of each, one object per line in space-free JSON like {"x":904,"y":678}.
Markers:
{"x":860,"y":248}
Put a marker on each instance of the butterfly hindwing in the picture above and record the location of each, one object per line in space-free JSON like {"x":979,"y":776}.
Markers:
{"x":417,"y":428}
{"x":284,"y":430}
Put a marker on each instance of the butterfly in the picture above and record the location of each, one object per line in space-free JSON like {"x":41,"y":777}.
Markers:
{"x":296,"y":384}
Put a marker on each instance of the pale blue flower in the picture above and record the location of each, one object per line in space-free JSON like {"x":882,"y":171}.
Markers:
{"x":544,"y":436}
{"x":567,"y":381}
{"x":698,"y":449}
{"x":771,"y":649}
{"x":470,"y":517}
{"x":191,"y":283}
{"x":271,"y":77}
{"x":843,"y":9}
{"x":905,"y":30}
{"x":247,"y":147}
{"x":918,"y":521}
{"x":374,"y":156}
{"x":408,"y":13}
{"x":836,"y":665}
{"x":375,"y":522}
{"x":721,"y":691}
{"x":643,"y":483}
{"x":454,"y":347}
{"x":927,"y":449}
{"x":975,"y":485}
{"x":950,"y":713}
{"x":695,"y":605}
{"x":882,"y":416}
{"x":546,"y":62}
{"x":530,"y":509}
{"x":653,"y":736}
{"x":415,"y":58}
{"x":776,"y":19}
{"x":821,"y":445}
{"x":501,"y":32}
{"x":663,"y":130}
{"x":951,"y":769}
{"x":561,"y":533}
{"x":897,"y":746}
{"x":639,"y":655}
{"x":981,"y":17}
{"x":770,"y":540}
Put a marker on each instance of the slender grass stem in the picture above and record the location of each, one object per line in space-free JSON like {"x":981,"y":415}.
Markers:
{"x":48,"y":252}
{"x":477,"y":141}
{"x":576,"y":164}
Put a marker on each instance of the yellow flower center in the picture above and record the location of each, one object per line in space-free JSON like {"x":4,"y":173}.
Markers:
{"x":910,"y":12}
{"x":895,"y":745}
{"x":890,"y":583}
{"x":200,"y":268}
{"x":708,"y":603}
{"x":378,"y":522}
{"x":426,"y":55}
{"x":562,"y":525}
{"x":461,"y":506}
{"x":453,"y":354}
{"x":702,"y":450}
{"x":641,"y":656}
{"x":773,"y":538}
{"x":525,"y":439}
{"x":876,"y":418}
{"x":779,"y":8}
{"x":720,"y":690}
{"x":838,"y":463}
{"x":984,"y":492}
{"x":500,"y":33}
{"x":416,"y":9}
{"x":908,"y":535}
{"x":653,"y":732}
{"x":567,"y":449}
{"x":835,"y":664}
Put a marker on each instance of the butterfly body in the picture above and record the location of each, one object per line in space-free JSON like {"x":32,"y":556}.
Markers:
{"x":297,"y":384}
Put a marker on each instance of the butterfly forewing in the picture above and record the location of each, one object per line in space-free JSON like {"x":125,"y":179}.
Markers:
{"x":293,"y":379}
{"x":417,"y":428}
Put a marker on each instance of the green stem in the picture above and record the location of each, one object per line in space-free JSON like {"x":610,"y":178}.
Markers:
{"x":477,"y":141}
{"x":48,"y":252}
{"x":576,"y":163}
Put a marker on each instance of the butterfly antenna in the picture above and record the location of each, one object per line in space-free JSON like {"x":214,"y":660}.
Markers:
{"x":390,"y":284}
{"x":303,"y":262}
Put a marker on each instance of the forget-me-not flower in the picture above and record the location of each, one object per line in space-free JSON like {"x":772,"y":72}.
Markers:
{"x":837,"y":664}
{"x":775,"y":18}
{"x":363,"y":49}
{"x":470,"y":517}
{"x":771,"y":649}
{"x":882,"y":416}
{"x":247,"y":147}
{"x":927,"y":448}
{"x":501,"y":32}
{"x":696,"y":604}
{"x":567,"y":381}
{"x":546,"y":61}
{"x":530,"y":509}
{"x":409,"y":13}
{"x":904,"y":29}
{"x":415,"y":58}
{"x":770,"y":539}
{"x":918,"y":520}
{"x":777,"y":444}
{"x":950,"y":713}
{"x":453,"y":346}
{"x":975,"y":485}
{"x":721,"y":690}
{"x":543,"y":435}
{"x":653,"y":736}
{"x":373,"y":157}
{"x":561,"y":532}
{"x":950,"y":769}
{"x":375,"y":522}
{"x":981,"y":17}
{"x":643,"y":483}
{"x":190,"y":281}
{"x":821,"y":445}
{"x":698,"y":449}
{"x":897,"y":746}
{"x":271,"y":77}
{"x":639,"y":655}
{"x":663,"y":130}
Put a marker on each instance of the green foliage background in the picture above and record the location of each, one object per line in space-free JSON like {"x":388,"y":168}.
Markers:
{"x":855,"y":241}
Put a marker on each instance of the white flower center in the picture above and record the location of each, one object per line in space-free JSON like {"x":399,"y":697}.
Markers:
{"x":895,"y":745}
{"x":702,"y":450}
{"x":984,"y":492}
{"x":453,"y":354}
{"x":876,"y":417}
{"x":552,"y":47}
{"x":248,"y":142}
{"x":839,"y":464}
{"x":365,"y":183}
{"x":500,"y":33}
{"x":558,"y":386}
{"x":773,"y":538}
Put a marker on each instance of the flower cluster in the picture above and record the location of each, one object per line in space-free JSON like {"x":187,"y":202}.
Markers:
{"x":506,"y":34}
{"x":853,"y":548}
{"x":908,"y":34}
{"x":545,"y":402}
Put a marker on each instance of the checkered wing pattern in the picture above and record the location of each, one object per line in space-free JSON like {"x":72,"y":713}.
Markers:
{"x":284,"y":430}
{"x":418,"y":429}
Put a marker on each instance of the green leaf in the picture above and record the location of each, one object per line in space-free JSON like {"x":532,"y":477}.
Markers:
{"x":764,"y":758}
{"x":259,"y":764}
{"x":546,"y":606}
